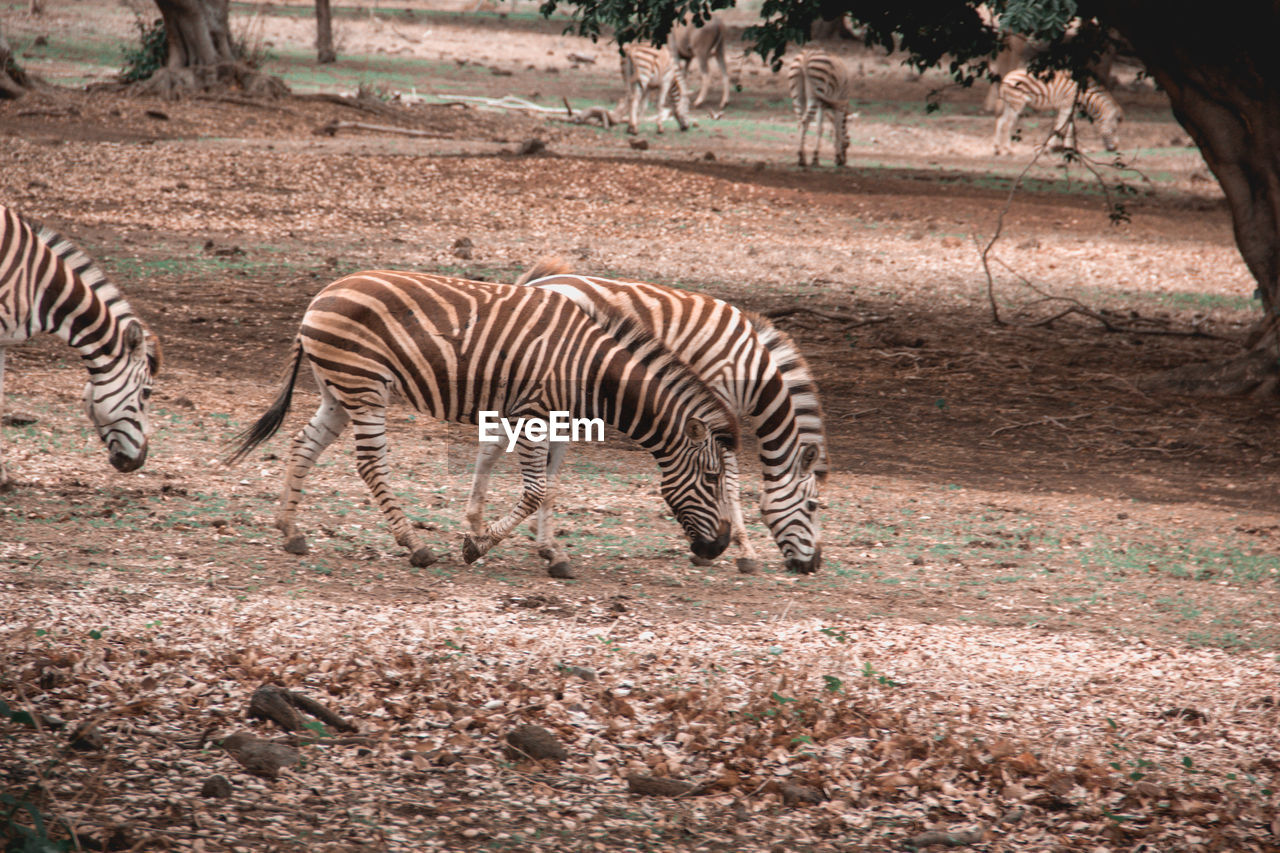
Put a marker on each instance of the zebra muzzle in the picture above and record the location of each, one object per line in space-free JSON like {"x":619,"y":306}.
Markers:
{"x":125,"y":462}
{"x":709,"y":549}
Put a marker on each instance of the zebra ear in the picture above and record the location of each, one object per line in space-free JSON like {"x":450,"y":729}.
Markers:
{"x":153,"y":353}
{"x":807,"y":457}
{"x":133,"y":336}
{"x":695,"y":430}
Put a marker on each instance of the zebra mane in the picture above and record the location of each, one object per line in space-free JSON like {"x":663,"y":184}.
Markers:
{"x":795,"y":371}
{"x":80,"y":265}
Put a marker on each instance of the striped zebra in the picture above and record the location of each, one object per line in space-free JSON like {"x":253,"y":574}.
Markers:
{"x":455,"y":348}
{"x":1020,"y":89}
{"x":48,"y":285}
{"x":646,"y":70}
{"x":688,"y":42}
{"x":753,"y":366}
{"x":819,"y":81}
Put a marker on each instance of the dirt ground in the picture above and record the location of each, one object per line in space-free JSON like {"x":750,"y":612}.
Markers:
{"x":1046,"y":584}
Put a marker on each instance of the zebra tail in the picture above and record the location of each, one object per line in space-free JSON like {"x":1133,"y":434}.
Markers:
{"x":270,"y":422}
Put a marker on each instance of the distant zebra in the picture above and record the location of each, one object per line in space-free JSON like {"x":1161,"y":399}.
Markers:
{"x":819,"y":81}
{"x":646,"y":70}
{"x":687,"y":43}
{"x":752,"y":365}
{"x":454,"y":348}
{"x":48,"y":285}
{"x":1020,"y":89}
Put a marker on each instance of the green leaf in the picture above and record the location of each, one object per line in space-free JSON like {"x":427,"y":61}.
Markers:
{"x":95,"y":634}
{"x":833,"y":684}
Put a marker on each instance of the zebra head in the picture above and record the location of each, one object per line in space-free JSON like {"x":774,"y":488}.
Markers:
{"x":790,"y":508}
{"x":117,"y":393}
{"x":693,"y":486}
{"x":1110,"y":129}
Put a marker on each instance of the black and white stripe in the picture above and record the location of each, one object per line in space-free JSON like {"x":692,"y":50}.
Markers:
{"x":48,"y":285}
{"x":649,"y":70}
{"x":821,"y":84}
{"x":454,"y":348}
{"x":753,"y":366}
{"x":1020,"y":89}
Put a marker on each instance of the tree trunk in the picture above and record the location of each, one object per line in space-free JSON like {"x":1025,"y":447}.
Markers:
{"x":324,"y":33}
{"x":14,"y":82}
{"x":1221,"y":72}
{"x":201,"y":53}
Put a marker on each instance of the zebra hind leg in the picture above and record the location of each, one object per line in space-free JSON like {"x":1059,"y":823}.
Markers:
{"x":533,"y":470}
{"x":371,"y":462}
{"x":325,"y":425}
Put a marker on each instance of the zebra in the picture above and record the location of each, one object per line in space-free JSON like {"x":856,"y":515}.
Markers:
{"x":455,"y":348}
{"x":752,"y":365}
{"x":817,"y":81}
{"x":48,"y":285}
{"x":648,"y":69}
{"x":1020,"y":89}
{"x":688,"y":42}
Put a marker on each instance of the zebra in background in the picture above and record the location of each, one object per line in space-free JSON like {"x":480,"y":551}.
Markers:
{"x":1020,"y":89}
{"x":752,"y":365}
{"x":647,"y":69}
{"x":48,"y":285}
{"x":454,"y":348}
{"x":819,"y":81}
{"x":688,"y":42}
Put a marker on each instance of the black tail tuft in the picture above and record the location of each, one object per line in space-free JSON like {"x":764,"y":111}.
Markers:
{"x":273,"y":417}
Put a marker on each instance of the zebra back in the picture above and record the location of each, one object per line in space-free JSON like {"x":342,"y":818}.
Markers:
{"x":48,"y":285}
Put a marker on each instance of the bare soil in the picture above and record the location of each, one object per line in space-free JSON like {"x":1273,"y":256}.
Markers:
{"x":1034,"y":561}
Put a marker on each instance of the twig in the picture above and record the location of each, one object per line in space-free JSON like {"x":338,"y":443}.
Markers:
{"x":1045,"y":421}
{"x":332,"y":128}
{"x":826,"y":315}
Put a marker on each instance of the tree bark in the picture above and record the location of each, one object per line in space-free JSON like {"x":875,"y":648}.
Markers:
{"x":325,"y":53}
{"x":1222,"y":74}
{"x":201,"y":55}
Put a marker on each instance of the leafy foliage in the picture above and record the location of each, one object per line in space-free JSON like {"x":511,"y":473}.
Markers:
{"x":147,"y":56}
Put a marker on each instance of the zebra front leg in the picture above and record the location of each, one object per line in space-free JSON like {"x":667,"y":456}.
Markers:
{"x":558,"y":565}
{"x":533,"y":471}
{"x":370,"y":428}
{"x":486,"y":457}
{"x":325,"y":425}
{"x":749,"y":562}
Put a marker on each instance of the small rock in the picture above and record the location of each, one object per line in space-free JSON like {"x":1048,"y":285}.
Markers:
{"x":20,"y":419}
{"x":657,"y":786}
{"x":216,"y":787}
{"x":86,"y":738}
{"x":801,"y":795}
{"x":532,"y":145}
{"x":535,"y":742}
{"x":586,"y":673}
{"x":41,"y":41}
{"x":462,"y":248}
{"x":639,"y":144}
{"x":1032,"y":243}
{"x":710,"y":155}
{"x":260,"y":757}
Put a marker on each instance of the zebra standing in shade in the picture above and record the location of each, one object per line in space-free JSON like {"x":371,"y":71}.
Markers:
{"x":454,"y":348}
{"x":752,"y":365}
{"x":821,"y":82}
{"x":48,"y":285}
{"x":688,"y":42}
{"x":1020,"y":89}
{"x":648,"y":69}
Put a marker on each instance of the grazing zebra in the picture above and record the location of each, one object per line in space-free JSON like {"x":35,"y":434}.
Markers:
{"x":817,"y":81}
{"x":1020,"y":89}
{"x":688,"y":42}
{"x":48,"y":285}
{"x":752,"y":365}
{"x":648,"y":69}
{"x":455,"y":348}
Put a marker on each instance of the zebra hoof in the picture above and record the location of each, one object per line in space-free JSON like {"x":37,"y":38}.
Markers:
{"x":296,"y":545}
{"x":701,"y":561}
{"x":470,"y":550}
{"x":747,"y":566}
{"x":561,"y":570}
{"x":421,"y":558}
